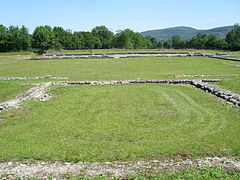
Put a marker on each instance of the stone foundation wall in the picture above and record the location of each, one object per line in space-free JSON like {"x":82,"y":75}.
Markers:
{"x":111,"y":55}
{"x":38,"y":92}
{"x":225,"y":58}
{"x":198,"y":83}
{"x":34,"y":78}
{"x":164,"y":81}
{"x":219,"y":92}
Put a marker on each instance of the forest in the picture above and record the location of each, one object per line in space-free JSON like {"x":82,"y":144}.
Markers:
{"x":43,"y":38}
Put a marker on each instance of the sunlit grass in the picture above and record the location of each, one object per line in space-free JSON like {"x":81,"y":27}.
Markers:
{"x":120,"y":122}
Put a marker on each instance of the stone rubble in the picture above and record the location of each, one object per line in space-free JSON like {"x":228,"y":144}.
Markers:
{"x":37,"y":93}
{"x":57,"y":170}
{"x":219,"y":92}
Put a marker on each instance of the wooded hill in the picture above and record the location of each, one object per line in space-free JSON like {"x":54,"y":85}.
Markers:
{"x":186,"y":33}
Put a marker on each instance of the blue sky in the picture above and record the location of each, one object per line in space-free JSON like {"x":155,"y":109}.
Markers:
{"x":138,"y":15}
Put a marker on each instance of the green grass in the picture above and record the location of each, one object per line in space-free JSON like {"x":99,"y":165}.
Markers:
{"x":120,"y":122}
{"x":190,"y":173}
{"x":203,"y":173}
{"x":16,"y":53}
{"x":9,"y":90}
{"x":232,"y":84}
{"x":106,"y":69}
{"x":121,"y":69}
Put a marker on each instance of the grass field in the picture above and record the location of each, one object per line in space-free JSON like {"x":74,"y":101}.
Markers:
{"x":203,"y":173}
{"x":9,"y":90}
{"x":119,"y":122}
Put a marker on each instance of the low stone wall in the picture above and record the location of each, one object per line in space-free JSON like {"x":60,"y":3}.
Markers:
{"x":111,"y":55}
{"x":163,"y":81}
{"x":225,"y":58}
{"x":38,"y":92}
{"x":201,"y":84}
{"x":128,"y":53}
{"x":205,"y":75}
{"x":219,"y":92}
{"x":34,"y":78}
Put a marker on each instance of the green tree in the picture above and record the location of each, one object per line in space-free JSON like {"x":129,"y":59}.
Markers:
{"x":211,"y":42}
{"x":88,"y":40}
{"x":221,"y":44}
{"x":123,"y":39}
{"x":130,"y":40}
{"x":43,"y":38}
{"x":167,"y":44}
{"x":63,"y":38}
{"x":78,"y":40}
{"x":104,"y":34}
{"x":159,"y":45}
{"x":176,"y":40}
{"x":233,"y":38}
{"x":150,"y":42}
{"x":97,"y":43}
{"x":199,"y":41}
{"x":3,"y":38}
{"x":13,"y":38}
{"x":25,"y":38}
{"x":139,"y":41}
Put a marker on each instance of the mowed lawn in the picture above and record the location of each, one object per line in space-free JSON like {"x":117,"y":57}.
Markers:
{"x":9,"y":90}
{"x":120,"y":122}
{"x":116,"y":69}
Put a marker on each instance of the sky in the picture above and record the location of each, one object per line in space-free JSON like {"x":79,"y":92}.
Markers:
{"x":138,"y":15}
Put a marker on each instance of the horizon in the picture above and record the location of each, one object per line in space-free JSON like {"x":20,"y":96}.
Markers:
{"x":120,"y":29}
{"x":140,"y":16}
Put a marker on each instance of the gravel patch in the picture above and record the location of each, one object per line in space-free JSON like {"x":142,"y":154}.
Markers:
{"x":58,"y":170}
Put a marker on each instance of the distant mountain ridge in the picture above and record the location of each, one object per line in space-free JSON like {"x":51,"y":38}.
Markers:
{"x":186,"y":33}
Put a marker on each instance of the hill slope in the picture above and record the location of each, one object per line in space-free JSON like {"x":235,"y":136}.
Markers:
{"x":186,"y":33}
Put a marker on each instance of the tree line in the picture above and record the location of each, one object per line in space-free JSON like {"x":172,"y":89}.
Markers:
{"x":44,"y":38}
